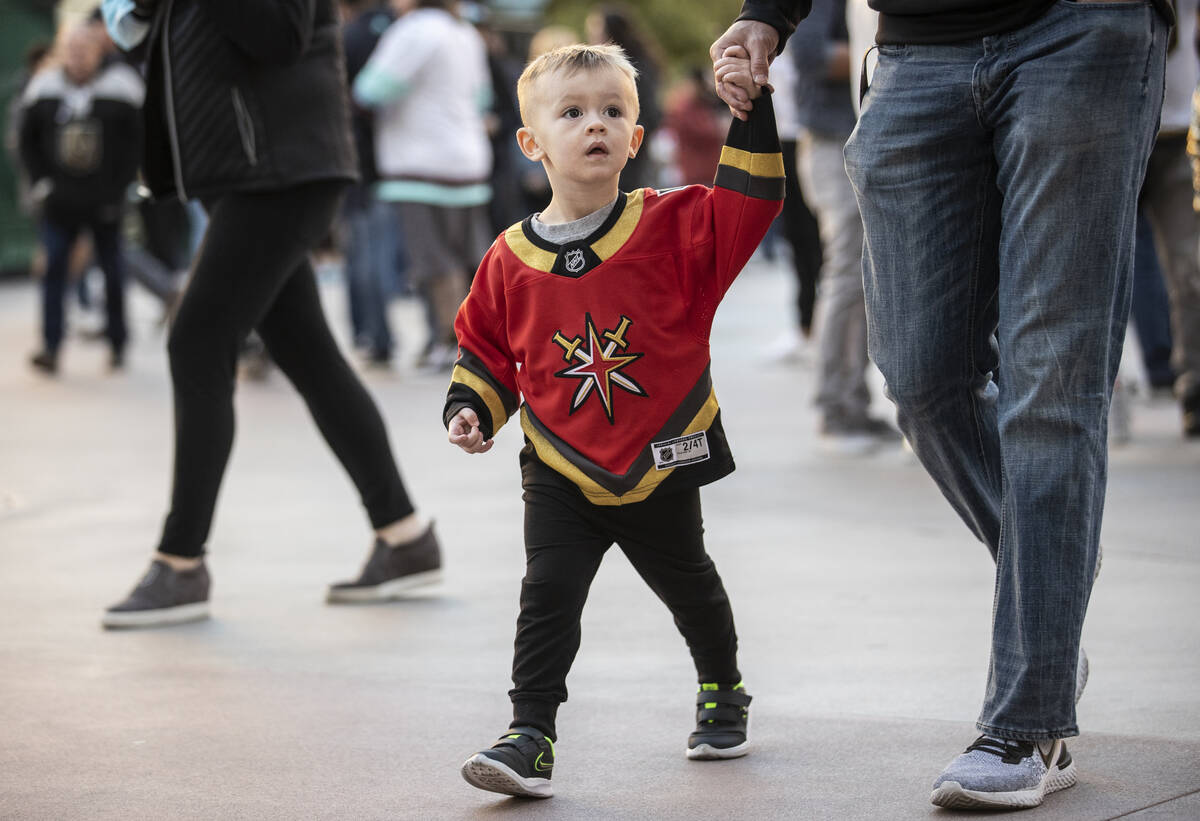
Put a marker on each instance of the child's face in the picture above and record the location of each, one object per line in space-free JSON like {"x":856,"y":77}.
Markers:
{"x":583,"y":127}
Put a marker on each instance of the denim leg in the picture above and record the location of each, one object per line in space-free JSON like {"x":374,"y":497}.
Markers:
{"x":356,"y":253}
{"x":1023,"y":159}
{"x":924,"y":176}
{"x":840,"y":323}
{"x":1149,"y":310}
{"x":381,"y":240}
{"x":58,"y":237}
{"x":106,"y":239}
{"x":1075,"y":107}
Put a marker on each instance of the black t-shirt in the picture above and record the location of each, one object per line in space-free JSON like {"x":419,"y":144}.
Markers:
{"x":925,"y":21}
{"x":938,"y":21}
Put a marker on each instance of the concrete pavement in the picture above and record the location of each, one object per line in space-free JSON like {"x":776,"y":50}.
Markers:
{"x":863,"y":609}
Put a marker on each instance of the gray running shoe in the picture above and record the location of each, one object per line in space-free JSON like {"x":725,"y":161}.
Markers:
{"x":163,"y":596}
{"x":1081,"y":674}
{"x":391,"y":571}
{"x":997,"y":773}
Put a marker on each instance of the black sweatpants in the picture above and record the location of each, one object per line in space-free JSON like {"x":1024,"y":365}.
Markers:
{"x":565,"y":539}
{"x":253,"y":273}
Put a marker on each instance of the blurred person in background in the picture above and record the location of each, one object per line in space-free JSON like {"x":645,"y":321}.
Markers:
{"x":429,"y":86}
{"x":697,"y":121}
{"x":503,"y":120}
{"x":615,"y":24}
{"x":79,"y":139}
{"x":368,"y":235}
{"x":1165,"y":198}
{"x":821,"y":50}
{"x":246,"y":110}
{"x":796,"y":222}
{"x":535,"y":185}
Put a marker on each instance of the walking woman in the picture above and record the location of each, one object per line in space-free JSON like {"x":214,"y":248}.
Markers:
{"x":246,"y":110}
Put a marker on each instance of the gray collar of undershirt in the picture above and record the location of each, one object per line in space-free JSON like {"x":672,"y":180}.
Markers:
{"x":564,"y":232}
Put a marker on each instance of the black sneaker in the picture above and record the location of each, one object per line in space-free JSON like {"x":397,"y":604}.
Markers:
{"x":721,"y":717}
{"x":520,"y":763}
{"x":390,"y":571}
{"x":1190,"y":406}
{"x":45,"y":361}
{"x":163,"y":596}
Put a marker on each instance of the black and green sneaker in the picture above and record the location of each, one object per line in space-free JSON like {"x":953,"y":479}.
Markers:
{"x":520,"y":763}
{"x":721,"y":716}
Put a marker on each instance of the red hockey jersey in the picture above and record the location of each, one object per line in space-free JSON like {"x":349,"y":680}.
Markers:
{"x":606,"y":338}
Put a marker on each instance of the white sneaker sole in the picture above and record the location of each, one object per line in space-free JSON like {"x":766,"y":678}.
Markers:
{"x":495,"y":776}
{"x":388,"y":591}
{"x":706,"y":752}
{"x":951,"y":794}
{"x":851,"y":445}
{"x":161,"y":617}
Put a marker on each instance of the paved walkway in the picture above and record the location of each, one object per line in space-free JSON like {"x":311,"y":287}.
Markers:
{"x":862,"y":603}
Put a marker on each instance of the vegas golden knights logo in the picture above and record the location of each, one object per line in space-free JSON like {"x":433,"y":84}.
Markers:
{"x":596,"y":359}
{"x":79,"y":146}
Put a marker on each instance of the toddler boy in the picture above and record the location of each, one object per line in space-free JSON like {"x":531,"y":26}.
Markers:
{"x":597,"y":313}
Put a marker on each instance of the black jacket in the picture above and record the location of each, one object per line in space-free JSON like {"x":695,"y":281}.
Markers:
{"x":245,"y":95}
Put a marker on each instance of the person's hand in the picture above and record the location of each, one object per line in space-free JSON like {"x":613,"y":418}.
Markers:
{"x":759,"y":40}
{"x":39,"y":192}
{"x":733,"y":69}
{"x":464,"y":432}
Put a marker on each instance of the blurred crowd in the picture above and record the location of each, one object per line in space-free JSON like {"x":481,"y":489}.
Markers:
{"x":441,"y":175}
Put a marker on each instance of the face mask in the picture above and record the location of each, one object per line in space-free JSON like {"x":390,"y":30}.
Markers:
{"x":125,"y":28}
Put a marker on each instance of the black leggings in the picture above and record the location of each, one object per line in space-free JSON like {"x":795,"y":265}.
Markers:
{"x":253,"y":273}
{"x":565,"y":539}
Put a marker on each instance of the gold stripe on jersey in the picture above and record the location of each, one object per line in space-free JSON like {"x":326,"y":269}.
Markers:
{"x":486,"y":392}
{"x":593,"y":490}
{"x":611,"y":242}
{"x":756,"y":165}
{"x":526,"y":251}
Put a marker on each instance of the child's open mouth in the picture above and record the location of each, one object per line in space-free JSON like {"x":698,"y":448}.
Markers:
{"x":597,"y":150}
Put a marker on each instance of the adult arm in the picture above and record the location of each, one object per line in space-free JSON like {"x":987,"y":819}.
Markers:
{"x":762,"y":28}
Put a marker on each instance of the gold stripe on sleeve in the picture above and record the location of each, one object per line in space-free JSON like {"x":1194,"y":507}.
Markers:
{"x":756,"y":165}
{"x":486,"y":393}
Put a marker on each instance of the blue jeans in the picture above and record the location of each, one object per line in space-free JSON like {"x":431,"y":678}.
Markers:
{"x":998,"y":182}
{"x":370,"y":255}
{"x":58,"y":234}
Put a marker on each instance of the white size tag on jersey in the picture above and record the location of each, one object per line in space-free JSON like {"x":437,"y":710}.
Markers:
{"x":681,"y":451}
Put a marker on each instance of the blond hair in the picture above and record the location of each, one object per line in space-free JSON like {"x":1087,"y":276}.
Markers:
{"x":568,"y":60}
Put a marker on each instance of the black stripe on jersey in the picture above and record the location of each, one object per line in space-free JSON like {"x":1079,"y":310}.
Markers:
{"x":741,"y":182}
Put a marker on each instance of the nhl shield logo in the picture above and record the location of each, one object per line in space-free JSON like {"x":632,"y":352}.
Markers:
{"x":574,"y":260}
